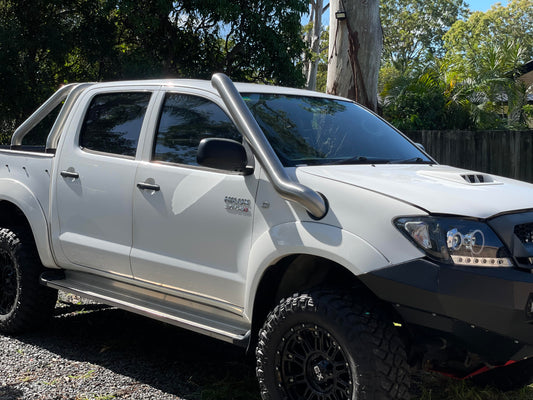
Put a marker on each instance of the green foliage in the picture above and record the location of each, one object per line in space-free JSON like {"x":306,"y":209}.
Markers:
{"x":486,"y":51}
{"x":45,"y":43}
{"x":322,"y":73}
{"x":479,"y":40}
{"x":475,"y":84}
{"x":413,"y":29}
{"x":436,"y":387}
{"x":423,"y":101}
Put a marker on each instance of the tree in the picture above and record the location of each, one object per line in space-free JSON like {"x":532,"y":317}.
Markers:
{"x":413,"y":29}
{"x":469,"y":41}
{"x":423,"y":99}
{"x":486,"y":53}
{"x":313,"y":39}
{"x":45,"y":43}
{"x":355,"y":45}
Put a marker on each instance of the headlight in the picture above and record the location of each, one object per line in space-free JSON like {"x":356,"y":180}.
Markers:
{"x":456,"y":241}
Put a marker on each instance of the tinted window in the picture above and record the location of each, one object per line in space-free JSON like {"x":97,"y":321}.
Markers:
{"x":186,"y":120}
{"x":313,"y":131}
{"x":113,"y":123}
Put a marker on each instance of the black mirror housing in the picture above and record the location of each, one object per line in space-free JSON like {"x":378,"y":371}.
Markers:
{"x":225,"y":154}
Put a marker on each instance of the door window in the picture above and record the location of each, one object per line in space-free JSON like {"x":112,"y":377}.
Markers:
{"x":186,"y":120}
{"x":113,"y":123}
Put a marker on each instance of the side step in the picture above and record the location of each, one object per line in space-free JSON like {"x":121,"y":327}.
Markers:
{"x":153,"y":304}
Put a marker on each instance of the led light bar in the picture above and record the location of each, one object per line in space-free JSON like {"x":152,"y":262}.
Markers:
{"x":482,"y":261}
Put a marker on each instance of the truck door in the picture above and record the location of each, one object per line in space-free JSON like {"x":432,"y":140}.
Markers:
{"x":192,"y":226}
{"x":94,"y":182}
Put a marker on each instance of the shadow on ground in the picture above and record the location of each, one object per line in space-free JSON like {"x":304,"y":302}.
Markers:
{"x":8,"y":392}
{"x":173,"y":360}
{"x":186,"y":365}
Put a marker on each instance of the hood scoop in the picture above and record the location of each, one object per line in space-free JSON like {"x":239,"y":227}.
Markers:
{"x":469,"y":178}
{"x":477,"y":178}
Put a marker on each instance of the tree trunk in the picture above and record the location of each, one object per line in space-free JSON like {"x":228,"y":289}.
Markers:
{"x":355,"y":46}
{"x":315,"y":44}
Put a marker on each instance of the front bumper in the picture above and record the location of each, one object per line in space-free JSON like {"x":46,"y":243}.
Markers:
{"x":487,"y":310}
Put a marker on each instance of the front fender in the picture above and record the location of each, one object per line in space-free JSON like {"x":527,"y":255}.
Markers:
{"x":19,"y":195}
{"x":311,"y":238}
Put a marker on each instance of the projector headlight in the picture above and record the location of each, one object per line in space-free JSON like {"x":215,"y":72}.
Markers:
{"x":456,"y":241}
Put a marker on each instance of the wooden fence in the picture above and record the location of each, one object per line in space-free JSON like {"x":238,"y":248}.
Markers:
{"x":505,"y":153}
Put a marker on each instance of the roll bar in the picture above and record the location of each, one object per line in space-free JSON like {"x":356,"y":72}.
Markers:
{"x":69,"y":92}
{"x":290,"y":190}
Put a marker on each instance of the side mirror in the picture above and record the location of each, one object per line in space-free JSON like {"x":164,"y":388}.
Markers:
{"x":225,"y":154}
{"x":421,"y":147}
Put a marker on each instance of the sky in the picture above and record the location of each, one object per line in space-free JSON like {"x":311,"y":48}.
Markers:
{"x":483,"y":5}
{"x":474,"y":5}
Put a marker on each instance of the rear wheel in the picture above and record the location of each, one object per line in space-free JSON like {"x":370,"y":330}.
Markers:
{"x":24,"y":303}
{"x":329,"y":346}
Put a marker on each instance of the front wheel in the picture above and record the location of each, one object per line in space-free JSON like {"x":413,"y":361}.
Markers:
{"x":327,"y":345}
{"x":24,"y":303}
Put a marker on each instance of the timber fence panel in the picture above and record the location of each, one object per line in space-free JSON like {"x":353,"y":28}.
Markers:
{"x":505,"y":153}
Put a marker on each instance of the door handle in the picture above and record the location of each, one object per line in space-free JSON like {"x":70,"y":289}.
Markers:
{"x":148,"y":186}
{"x":70,"y":174}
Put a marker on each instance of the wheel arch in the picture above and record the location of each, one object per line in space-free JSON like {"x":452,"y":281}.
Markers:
{"x":298,"y":256}
{"x":18,"y":206}
{"x":275,"y":248}
{"x":299,"y":273}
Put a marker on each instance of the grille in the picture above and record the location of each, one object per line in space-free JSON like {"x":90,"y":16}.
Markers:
{"x":524,"y":233}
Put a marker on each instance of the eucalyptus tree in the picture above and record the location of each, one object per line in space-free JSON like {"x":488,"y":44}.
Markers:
{"x":355,"y":44}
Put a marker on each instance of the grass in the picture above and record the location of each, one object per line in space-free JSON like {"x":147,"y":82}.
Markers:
{"x":430,"y":386}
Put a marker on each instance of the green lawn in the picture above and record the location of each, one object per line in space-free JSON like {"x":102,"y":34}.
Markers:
{"x":431,"y":386}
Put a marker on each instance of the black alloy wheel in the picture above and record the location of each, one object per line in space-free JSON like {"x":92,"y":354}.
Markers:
{"x":312,"y":365}
{"x":331,"y":345}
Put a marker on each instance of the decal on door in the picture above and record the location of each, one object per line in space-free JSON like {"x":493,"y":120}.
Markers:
{"x":236,"y":205}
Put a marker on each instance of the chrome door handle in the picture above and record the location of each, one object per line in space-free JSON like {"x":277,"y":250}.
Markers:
{"x":148,"y":186}
{"x":70,"y":174}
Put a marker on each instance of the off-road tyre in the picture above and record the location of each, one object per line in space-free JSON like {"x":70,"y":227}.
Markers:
{"x":330,"y":345}
{"x":24,"y":303}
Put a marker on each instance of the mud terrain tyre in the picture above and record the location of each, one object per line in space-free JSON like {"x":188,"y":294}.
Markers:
{"x":327,"y":345}
{"x":24,"y":303}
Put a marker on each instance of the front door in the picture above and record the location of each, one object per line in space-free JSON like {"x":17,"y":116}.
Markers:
{"x":192,"y":226}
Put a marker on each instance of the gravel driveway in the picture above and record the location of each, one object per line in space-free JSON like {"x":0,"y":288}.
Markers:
{"x":91,"y":351}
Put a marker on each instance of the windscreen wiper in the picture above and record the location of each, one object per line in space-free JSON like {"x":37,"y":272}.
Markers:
{"x":361,"y":160}
{"x":415,"y":160}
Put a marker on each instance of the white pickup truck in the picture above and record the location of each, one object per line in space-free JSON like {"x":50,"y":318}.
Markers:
{"x":296,"y":224}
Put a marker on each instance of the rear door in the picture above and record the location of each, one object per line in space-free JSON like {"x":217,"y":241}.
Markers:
{"x":95,"y":179}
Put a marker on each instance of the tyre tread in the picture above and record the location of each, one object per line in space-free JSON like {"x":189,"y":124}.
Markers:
{"x":35,"y":302}
{"x":363,"y":319}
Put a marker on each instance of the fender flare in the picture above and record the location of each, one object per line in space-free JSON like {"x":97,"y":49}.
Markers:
{"x":19,"y":195}
{"x":310,"y":238}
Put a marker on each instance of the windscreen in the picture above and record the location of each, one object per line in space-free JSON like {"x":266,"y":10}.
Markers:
{"x":320,"y":131}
